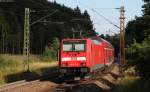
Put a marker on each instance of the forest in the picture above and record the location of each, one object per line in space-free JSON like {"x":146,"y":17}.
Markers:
{"x":61,"y":24}
{"x":138,"y":42}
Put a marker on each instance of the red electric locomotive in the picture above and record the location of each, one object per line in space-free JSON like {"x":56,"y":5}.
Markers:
{"x":83,"y":56}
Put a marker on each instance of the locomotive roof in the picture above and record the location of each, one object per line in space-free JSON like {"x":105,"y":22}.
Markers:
{"x":72,"y":39}
{"x":96,"y":40}
{"x":99,"y":39}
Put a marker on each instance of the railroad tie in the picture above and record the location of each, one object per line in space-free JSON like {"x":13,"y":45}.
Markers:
{"x":115,"y":71}
{"x":101,"y":85}
{"x":109,"y":78}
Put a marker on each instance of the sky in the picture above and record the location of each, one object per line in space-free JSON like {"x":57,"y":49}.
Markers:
{"x":107,"y":9}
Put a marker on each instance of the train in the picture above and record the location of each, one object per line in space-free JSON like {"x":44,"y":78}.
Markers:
{"x":82,"y":57}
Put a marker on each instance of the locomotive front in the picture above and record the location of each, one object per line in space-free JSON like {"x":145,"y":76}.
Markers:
{"x":73,"y":56}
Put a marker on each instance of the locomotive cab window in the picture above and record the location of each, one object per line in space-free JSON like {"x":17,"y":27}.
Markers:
{"x":79,"y":46}
{"x":67,"y":47}
{"x":74,"y":46}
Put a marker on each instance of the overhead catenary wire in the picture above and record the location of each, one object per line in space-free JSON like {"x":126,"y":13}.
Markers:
{"x":105,"y":18}
{"x":43,"y":17}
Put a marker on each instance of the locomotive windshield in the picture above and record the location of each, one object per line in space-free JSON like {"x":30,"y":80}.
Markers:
{"x":79,"y":47}
{"x":74,"y":46}
{"x":67,"y":47}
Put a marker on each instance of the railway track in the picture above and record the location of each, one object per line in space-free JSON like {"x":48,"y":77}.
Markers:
{"x":16,"y":85}
{"x":30,"y":83}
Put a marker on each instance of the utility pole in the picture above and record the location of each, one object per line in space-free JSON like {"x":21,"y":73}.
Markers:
{"x":73,"y":35}
{"x":27,"y":25}
{"x":26,"y":49}
{"x":122,"y":34}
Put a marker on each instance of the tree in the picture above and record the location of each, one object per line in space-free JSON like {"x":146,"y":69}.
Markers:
{"x":102,"y":36}
{"x":42,"y":34}
{"x":51,"y":51}
{"x":138,"y":42}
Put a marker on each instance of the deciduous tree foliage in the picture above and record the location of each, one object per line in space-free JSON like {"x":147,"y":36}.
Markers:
{"x":138,"y":41}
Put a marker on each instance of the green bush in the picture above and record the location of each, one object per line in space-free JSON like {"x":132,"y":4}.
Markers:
{"x":139,"y":55}
{"x":47,"y":55}
{"x":51,"y":52}
{"x":143,"y":61}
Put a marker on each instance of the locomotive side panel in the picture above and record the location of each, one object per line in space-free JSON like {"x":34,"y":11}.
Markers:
{"x":109,"y":54}
{"x":89,"y":54}
{"x":97,"y":55}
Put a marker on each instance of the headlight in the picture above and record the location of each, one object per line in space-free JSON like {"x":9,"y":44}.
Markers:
{"x":66,"y":59}
{"x":81,"y":58}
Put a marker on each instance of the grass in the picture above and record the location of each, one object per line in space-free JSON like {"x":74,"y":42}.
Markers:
{"x":14,"y":65}
{"x":132,"y":83}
